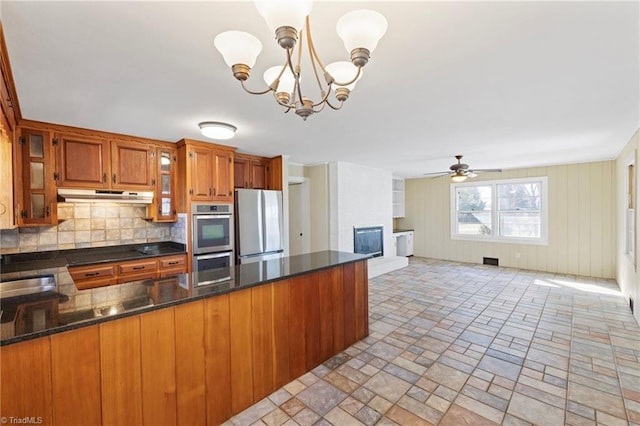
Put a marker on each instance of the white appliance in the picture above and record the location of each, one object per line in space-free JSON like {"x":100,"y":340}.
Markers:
{"x":259,"y":225}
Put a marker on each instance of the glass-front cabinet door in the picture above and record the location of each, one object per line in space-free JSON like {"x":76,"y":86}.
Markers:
{"x":165,"y":200}
{"x":37,"y":198}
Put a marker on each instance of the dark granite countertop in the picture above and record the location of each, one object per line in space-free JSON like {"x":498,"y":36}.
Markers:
{"x":396,"y":231}
{"x":79,"y":308}
{"x":21,"y":262}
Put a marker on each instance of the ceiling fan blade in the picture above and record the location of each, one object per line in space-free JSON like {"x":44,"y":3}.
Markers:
{"x":485,"y":170}
{"x":437,"y":173}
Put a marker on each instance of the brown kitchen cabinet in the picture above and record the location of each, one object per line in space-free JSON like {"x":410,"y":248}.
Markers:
{"x":205,"y":172}
{"x":92,"y":276}
{"x":120,"y":371}
{"x":172,"y":265}
{"x":76,"y":377}
{"x":6,"y":175}
{"x":26,"y":389}
{"x":36,"y":195}
{"x":104,"y":274}
{"x":163,"y":208}
{"x":223,"y":183}
{"x":82,"y":161}
{"x":251,"y":172}
{"x":137,"y":270}
{"x":97,"y":163}
{"x":182,"y":364}
{"x":132,"y":165}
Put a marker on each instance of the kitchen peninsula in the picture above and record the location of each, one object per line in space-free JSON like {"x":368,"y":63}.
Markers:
{"x":191,"y":354}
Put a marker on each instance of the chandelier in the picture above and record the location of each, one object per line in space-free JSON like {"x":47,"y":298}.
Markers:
{"x":360,"y":30}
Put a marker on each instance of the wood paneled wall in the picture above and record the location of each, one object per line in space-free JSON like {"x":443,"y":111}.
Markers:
{"x":192,"y":364}
{"x":582,"y":222}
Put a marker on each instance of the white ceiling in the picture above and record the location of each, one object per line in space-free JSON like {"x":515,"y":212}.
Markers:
{"x":507,"y":84}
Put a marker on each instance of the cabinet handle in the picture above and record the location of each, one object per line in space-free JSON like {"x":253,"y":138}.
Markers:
{"x":230,"y":193}
{"x":104,"y":178}
{"x":175,"y":262}
{"x":46,"y":211}
{"x":137,"y":268}
{"x":214,"y":191}
{"x":153,"y":182}
{"x":114,"y":178}
{"x":91,"y":274}
{"x":210,"y":192}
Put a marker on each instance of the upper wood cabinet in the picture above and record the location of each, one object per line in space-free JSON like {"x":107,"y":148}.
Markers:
{"x":250,"y":171}
{"x":132,"y":165}
{"x":6,"y":175}
{"x":97,"y":163}
{"x":205,"y":172}
{"x":83,"y":162}
{"x":36,"y":195}
{"x":202,"y":174}
{"x":223,"y":184}
{"x":164,"y":207}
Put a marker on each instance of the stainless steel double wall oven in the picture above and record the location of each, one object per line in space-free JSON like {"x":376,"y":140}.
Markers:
{"x":212,"y":241}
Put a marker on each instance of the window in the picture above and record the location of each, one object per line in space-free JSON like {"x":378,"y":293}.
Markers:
{"x":630,"y":216}
{"x":512,"y":210}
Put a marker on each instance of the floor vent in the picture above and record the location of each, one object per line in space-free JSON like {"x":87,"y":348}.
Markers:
{"x":631,"y":304}
{"x":493,"y":261}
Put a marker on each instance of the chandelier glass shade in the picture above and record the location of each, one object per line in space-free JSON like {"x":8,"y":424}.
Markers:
{"x":360,"y":31}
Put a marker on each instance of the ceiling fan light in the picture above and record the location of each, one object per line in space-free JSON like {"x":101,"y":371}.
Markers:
{"x":284,"y":13}
{"x":238,"y":47}
{"x":458,"y":178}
{"x":361,"y":29}
{"x":217,"y":130}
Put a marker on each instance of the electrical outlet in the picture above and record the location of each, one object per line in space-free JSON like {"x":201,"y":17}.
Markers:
{"x":517,"y":255}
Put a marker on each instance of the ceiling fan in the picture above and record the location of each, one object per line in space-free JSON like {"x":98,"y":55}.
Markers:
{"x":459,"y":171}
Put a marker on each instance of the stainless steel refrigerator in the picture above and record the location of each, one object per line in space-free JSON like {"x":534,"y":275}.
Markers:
{"x":259,"y":225}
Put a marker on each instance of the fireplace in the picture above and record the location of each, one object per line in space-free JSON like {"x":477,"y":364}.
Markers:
{"x":368,"y":240}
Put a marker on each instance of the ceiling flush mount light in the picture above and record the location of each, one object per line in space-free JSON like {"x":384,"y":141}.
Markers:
{"x":217,"y":130}
{"x":360,"y":30}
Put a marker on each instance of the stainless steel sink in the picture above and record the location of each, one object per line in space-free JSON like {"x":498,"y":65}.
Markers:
{"x":27,"y":285}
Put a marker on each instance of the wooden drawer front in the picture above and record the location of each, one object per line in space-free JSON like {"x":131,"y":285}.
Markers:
{"x":138,"y":267}
{"x":93,"y":276}
{"x":92,"y":272}
{"x":173,"y":262}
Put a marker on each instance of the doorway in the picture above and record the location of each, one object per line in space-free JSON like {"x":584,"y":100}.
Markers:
{"x":299,"y":216}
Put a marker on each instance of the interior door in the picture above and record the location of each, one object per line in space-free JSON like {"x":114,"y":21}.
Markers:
{"x":296,"y":233}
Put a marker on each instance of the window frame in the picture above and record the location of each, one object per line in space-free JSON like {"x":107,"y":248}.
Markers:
{"x":630,"y":209}
{"x":493,"y":238}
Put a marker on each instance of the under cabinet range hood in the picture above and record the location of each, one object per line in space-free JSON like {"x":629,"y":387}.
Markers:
{"x":104,"y":196}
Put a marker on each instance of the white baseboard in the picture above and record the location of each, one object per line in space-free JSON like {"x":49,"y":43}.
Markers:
{"x":382,"y":265}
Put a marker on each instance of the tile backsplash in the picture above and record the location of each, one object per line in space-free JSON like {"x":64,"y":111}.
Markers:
{"x":84,"y":225}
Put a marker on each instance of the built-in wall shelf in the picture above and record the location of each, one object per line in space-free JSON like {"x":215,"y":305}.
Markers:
{"x":398,"y":197}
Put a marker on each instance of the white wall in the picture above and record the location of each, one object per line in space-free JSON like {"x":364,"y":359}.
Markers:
{"x":318,"y":176}
{"x":627,"y":274}
{"x":358,"y":196}
{"x":582,"y":222}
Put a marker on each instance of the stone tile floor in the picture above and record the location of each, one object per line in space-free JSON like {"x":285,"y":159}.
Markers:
{"x":464,"y":344}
